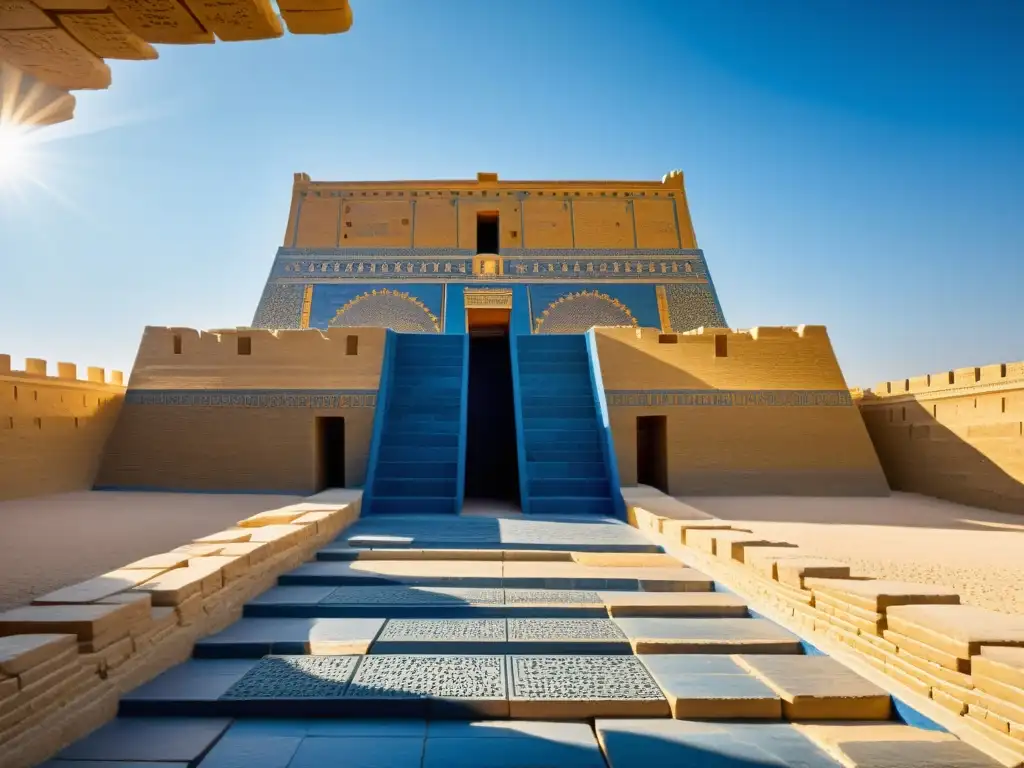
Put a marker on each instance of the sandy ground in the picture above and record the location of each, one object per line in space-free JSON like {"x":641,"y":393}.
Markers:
{"x":52,"y":541}
{"x":904,"y":537}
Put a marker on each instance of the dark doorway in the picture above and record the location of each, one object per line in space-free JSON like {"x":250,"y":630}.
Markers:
{"x":492,"y":461}
{"x":652,"y":452}
{"x":332,"y":451}
{"x":487,"y":232}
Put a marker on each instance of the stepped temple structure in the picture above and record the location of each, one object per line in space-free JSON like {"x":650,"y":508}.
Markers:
{"x":481,"y":400}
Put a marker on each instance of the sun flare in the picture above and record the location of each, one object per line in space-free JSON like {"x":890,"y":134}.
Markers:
{"x":15,"y":152}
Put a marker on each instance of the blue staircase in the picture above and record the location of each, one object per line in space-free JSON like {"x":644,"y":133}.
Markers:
{"x":417,"y":460}
{"x":563,"y":458}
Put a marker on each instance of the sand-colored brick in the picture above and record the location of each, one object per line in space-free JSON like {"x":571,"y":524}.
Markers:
{"x":238,"y":19}
{"x":21,"y":652}
{"x":878,"y":595}
{"x":161,"y":21}
{"x":1003,"y":664}
{"x":107,"y":36}
{"x":960,"y":630}
{"x":99,"y":588}
{"x":23,"y":14}
{"x":927,"y":651}
{"x":85,"y":621}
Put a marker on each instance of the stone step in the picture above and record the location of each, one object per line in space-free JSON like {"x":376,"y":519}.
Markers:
{"x":387,"y":686}
{"x":650,"y":635}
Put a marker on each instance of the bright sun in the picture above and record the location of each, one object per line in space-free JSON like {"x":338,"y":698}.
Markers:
{"x":14,"y":152}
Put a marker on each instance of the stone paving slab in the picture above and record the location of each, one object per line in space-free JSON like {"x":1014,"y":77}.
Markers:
{"x":819,"y":688}
{"x":455,"y":573}
{"x":574,"y":687}
{"x":674,"y":635}
{"x":454,"y":636}
{"x":358,"y":753}
{"x":192,"y":688}
{"x":556,"y":575}
{"x":712,"y":687}
{"x":164,"y":740}
{"x":894,"y":745}
{"x":667,"y":604}
{"x":551,"y":636}
{"x":960,"y":630}
{"x":629,"y":743}
{"x":511,"y":744}
{"x":879,"y":594}
{"x":253,"y":638}
{"x":275,"y":679}
{"x":534,"y":532}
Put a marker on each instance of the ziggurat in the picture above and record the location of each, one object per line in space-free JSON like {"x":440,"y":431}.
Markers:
{"x":488,"y":393}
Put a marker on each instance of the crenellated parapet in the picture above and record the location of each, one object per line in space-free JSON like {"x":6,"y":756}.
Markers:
{"x":959,"y":381}
{"x":957,"y":434}
{"x":36,"y":371}
{"x":50,"y":47}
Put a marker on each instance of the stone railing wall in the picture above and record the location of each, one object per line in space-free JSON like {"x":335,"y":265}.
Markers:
{"x":958,"y":661}
{"x":66,"y":659}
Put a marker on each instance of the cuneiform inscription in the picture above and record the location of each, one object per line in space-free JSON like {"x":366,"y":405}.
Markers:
{"x":55,"y":57}
{"x":721,"y":397}
{"x":254,"y":398}
{"x":454,"y":677}
{"x":106,"y":35}
{"x":586,"y":678}
{"x":238,"y":19}
{"x":295,"y":677}
{"x":161,"y":21}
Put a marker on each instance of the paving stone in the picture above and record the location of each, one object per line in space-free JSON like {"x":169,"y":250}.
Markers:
{"x":295,"y":677}
{"x":203,"y":576}
{"x":171,"y":739}
{"x":692,"y":604}
{"x":351,"y":728}
{"x":108,"y":764}
{"x":252,"y":638}
{"x":192,"y":688}
{"x":345,"y":552}
{"x":229,"y":536}
{"x":928,"y":652}
{"x":442,"y":636}
{"x":674,"y":635}
{"x":676,"y":530}
{"x":438,"y":596}
{"x":281,"y":516}
{"x":347,"y":752}
{"x":462,"y":573}
{"x":542,"y":636}
{"x":878,"y":595}
{"x":556,"y":575}
{"x":165,"y":561}
{"x":793,"y":571}
{"x":1003,"y":664}
{"x":368,"y":541}
{"x":85,"y":621}
{"x":712,"y":686}
{"x":252,"y":751}
{"x":911,"y":754}
{"x":292,"y":596}
{"x":418,"y":685}
{"x":20,"y":653}
{"x":574,"y":687}
{"x":626,"y":559}
{"x":629,"y":743}
{"x":552,"y":597}
{"x":512,"y":744}
{"x":819,"y":688}
{"x":957,"y":629}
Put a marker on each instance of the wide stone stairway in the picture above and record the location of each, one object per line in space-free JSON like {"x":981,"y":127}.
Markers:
{"x":516,"y":642}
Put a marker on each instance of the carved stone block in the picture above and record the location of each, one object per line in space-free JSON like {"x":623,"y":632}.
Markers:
{"x":441,"y":677}
{"x":318,"y":22}
{"x":161,"y":21}
{"x":238,"y":19}
{"x":551,"y":597}
{"x":32,"y":102}
{"x":106,"y":35}
{"x":23,"y":14}
{"x":440,"y":596}
{"x":55,"y":57}
{"x":295,"y":677}
{"x":582,"y":686}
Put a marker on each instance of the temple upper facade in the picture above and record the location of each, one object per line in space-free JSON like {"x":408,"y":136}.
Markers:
{"x":534,"y":256}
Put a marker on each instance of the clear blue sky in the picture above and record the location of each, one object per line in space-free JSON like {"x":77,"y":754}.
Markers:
{"x":855,"y":164}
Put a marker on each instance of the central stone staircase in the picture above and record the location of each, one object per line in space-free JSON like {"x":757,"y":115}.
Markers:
{"x":445,"y":641}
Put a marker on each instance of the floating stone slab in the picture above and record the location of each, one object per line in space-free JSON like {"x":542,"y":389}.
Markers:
{"x":430,"y":685}
{"x":239,"y":20}
{"x":461,"y":573}
{"x":574,"y":687}
{"x":544,"y":636}
{"x":156,"y":740}
{"x":432,"y":636}
{"x":253,"y":638}
{"x":511,"y":744}
{"x":689,"y":604}
{"x":629,"y":743}
{"x":673,"y":635}
{"x":819,"y":688}
{"x":712,"y":687}
{"x":960,"y":630}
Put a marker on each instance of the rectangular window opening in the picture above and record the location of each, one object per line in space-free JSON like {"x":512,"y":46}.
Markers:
{"x":487,"y":232}
{"x":668,"y":338}
{"x":244,"y":345}
{"x":177,"y":344}
{"x":721,"y":346}
{"x":38,"y":422}
{"x":351,"y":345}
{"x":652,"y":451}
